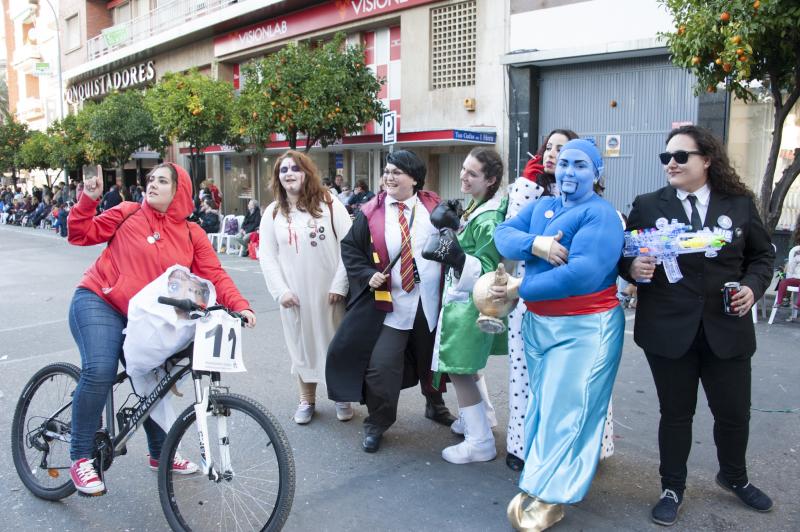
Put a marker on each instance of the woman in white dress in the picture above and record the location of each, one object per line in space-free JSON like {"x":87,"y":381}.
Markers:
{"x":299,"y":255}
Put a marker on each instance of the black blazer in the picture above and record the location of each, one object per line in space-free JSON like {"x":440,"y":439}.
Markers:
{"x":669,"y":315}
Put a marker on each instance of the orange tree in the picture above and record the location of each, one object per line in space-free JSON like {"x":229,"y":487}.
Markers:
{"x":323,"y":91}
{"x":750,"y":48}
{"x":13,"y":135}
{"x":192,"y":108}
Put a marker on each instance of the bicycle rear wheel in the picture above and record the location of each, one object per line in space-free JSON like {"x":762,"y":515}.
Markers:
{"x":255,"y":493}
{"x":41,"y":429}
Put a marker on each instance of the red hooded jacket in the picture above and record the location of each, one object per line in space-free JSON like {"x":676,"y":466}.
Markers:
{"x":130,"y":262}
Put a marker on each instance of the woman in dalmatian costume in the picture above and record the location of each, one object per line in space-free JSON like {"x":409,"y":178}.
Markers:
{"x":537,"y":180}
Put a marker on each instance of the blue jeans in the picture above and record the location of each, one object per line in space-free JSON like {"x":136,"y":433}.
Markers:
{"x":97,"y":329}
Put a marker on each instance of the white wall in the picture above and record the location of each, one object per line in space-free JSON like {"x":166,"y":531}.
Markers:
{"x":587,"y":23}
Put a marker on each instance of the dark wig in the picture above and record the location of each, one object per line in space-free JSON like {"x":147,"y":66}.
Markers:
{"x":546,"y":180}
{"x":721,"y":175}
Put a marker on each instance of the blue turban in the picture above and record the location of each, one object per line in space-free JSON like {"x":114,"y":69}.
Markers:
{"x":588,"y":147}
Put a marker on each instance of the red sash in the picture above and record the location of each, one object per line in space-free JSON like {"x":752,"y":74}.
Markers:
{"x":576,"y":305}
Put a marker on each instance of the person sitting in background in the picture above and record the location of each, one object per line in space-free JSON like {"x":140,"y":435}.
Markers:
{"x":361,"y":195}
{"x":251,"y":222}
{"x":209,"y":216}
{"x":792,"y":269}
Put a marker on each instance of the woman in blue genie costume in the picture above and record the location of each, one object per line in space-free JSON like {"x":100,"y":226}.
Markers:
{"x":573,"y":333}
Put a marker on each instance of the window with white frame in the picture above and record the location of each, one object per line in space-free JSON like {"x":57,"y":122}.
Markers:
{"x":73,"y":32}
{"x":453,"y":38}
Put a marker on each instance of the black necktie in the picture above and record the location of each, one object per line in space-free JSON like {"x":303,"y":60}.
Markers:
{"x":697,"y":225}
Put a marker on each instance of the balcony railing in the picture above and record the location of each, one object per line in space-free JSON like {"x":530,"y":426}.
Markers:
{"x":165,"y":18}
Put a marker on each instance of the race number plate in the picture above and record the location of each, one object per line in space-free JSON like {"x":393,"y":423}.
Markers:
{"x":217,"y":344}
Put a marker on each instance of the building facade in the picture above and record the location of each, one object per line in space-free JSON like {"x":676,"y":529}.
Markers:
{"x":580,"y":64}
{"x":440,"y":61}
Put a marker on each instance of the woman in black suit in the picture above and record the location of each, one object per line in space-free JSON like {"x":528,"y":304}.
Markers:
{"x":682,"y":328}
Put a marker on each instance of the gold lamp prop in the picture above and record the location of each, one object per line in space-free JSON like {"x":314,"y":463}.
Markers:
{"x":492,"y":311}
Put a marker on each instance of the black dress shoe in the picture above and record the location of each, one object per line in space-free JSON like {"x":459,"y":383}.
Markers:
{"x":665,"y":512}
{"x":436,"y":410}
{"x":514,"y":463}
{"x":371,"y":444}
{"x":748,"y":494}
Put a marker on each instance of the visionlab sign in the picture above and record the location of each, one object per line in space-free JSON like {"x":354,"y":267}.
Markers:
{"x":122,"y":79}
{"x":322,"y":16}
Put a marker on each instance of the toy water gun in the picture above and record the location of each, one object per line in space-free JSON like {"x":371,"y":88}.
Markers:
{"x":669,"y":239}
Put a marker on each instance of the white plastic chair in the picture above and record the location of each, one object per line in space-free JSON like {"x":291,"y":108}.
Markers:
{"x":232,"y":247}
{"x":794,"y":293}
{"x":218,"y":237}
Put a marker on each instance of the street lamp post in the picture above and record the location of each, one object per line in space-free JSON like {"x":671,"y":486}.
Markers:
{"x":58,"y":62}
{"x":60,"y":83}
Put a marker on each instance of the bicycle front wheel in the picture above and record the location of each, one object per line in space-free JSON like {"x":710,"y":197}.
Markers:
{"x":254,"y":485}
{"x":41,"y":431}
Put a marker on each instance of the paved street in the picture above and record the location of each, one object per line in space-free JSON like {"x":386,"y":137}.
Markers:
{"x":405,"y":486}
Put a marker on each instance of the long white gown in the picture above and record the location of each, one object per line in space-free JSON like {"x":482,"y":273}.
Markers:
{"x":301,"y":253}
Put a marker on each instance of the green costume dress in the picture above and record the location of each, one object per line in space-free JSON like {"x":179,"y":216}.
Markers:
{"x":461,"y":347}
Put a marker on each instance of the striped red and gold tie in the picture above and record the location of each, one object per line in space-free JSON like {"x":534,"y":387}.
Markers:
{"x":406,"y":255}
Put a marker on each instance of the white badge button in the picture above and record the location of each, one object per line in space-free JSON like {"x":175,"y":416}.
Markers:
{"x":724,"y":222}
{"x":548,"y":214}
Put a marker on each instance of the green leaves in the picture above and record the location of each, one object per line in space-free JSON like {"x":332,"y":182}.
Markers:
{"x":733,"y":43}
{"x":192,"y":108}
{"x":321,"y":90}
{"x":13,"y":135}
{"x":118,"y":126}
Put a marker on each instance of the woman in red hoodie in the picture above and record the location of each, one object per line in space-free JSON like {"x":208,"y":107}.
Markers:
{"x":142,"y":242}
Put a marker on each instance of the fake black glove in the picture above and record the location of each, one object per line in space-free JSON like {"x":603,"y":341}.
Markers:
{"x":444,"y":248}
{"x":447,"y":214}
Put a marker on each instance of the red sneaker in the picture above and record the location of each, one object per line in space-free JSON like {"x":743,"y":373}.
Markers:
{"x":180,"y":465}
{"x":85,"y":477}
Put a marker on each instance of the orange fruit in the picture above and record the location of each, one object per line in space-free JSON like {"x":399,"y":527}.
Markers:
{"x":736,"y":39}
{"x":725,"y":17}
{"x":727,"y":67}
{"x":718,"y":61}
{"x":696,"y":60}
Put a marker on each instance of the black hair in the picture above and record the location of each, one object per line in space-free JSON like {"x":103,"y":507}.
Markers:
{"x":546,"y":180}
{"x":410,"y":163}
{"x":721,"y":175}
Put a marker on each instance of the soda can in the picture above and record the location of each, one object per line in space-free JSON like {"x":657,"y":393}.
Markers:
{"x":728,"y":291}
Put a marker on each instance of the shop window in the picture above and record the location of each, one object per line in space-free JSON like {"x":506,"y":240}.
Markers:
{"x":749,"y":139}
{"x":73,"y":32}
{"x":453,"y":38}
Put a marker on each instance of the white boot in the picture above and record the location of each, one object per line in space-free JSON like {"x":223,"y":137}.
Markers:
{"x":458,"y":425}
{"x":478,"y":444}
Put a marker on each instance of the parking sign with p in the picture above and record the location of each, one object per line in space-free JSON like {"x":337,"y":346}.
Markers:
{"x":389,"y":123}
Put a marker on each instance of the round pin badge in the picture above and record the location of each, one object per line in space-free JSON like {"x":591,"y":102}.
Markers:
{"x":661,"y":223}
{"x":724,"y":222}
{"x":150,"y":239}
{"x":313,"y":243}
{"x":312,"y":235}
{"x":321,"y":236}
{"x":548,"y":214}
{"x":321,"y":229}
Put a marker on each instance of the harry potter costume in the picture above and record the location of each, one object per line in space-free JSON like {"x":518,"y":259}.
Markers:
{"x":372,"y":356}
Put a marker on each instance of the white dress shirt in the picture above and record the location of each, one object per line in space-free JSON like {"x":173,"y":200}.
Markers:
{"x":703,"y":195}
{"x":405,"y":304}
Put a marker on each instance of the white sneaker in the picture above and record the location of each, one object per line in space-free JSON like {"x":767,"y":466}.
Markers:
{"x":344,"y":411}
{"x":305,"y":411}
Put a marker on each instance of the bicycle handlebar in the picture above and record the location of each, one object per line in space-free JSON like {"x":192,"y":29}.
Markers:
{"x":190,"y":306}
{"x":184,"y":304}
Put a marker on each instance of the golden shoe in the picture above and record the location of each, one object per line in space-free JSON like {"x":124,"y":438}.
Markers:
{"x":529,"y":514}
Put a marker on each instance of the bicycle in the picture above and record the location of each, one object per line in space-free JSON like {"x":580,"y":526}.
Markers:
{"x":246,"y":480}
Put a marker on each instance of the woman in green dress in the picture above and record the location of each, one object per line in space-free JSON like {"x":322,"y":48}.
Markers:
{"x":461,"y":348}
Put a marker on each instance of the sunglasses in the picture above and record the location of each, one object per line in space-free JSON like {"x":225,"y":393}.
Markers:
{"x":294,"y":168}
{"x":680,"y":156}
